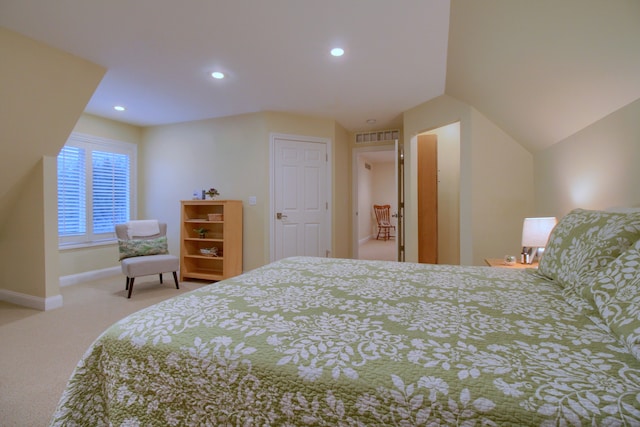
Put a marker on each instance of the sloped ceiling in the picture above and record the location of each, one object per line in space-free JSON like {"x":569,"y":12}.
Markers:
{"x":36,"y":119}
{"x":544,"y":69}
{"x":541,"y":70}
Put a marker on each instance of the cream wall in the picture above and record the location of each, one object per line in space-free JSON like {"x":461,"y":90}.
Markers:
{"x":46,"y":89}
{"x":384,"y":183}
{"x":502,"y":196}
{"x":493,"y":170}
{"x":31,"y":267}
{"x":232,"y":155}
{"x":365,"y":187}
{"x":596,"y":168}
{"x":342,"y":197}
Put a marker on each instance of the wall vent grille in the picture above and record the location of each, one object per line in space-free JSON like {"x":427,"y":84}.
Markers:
{"x":377,"y":136}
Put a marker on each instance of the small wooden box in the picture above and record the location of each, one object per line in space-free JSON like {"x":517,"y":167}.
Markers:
{"x":215,"y":217}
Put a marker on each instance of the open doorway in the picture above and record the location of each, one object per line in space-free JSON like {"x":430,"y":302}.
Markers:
{"x":374,"y":177}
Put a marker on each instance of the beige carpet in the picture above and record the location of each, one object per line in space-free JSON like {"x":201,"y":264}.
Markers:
{"x":39,"y":350}
{"x":384,"y":250}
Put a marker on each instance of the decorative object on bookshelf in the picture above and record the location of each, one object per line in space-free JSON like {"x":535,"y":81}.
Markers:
{"x":215,"y":217}
{"x":212,"y":193}
{"x":209,"y":251}
{"x":202,"y":232}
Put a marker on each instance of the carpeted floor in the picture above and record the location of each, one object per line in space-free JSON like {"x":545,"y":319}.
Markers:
{"x":39,"y":349}
{"x":384,"y":250}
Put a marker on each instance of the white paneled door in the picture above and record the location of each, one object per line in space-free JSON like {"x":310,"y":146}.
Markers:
{"x":300,"y":198}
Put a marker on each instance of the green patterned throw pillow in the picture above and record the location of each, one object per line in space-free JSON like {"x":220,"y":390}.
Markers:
{"x":134,"y":247}
{"x":584,"y":242}
{"x":615,"y":292}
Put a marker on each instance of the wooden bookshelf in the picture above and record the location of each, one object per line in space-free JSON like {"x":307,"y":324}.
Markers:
{"x":223,"y":221}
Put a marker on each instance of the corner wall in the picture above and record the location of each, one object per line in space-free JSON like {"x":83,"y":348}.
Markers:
{"x":596,"y":168}
{"x":494,"y":170}
{"x":341,"y":182}
{"x":50,"y":88}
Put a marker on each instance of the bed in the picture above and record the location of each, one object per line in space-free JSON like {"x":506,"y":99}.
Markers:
{"x":338,"y":342}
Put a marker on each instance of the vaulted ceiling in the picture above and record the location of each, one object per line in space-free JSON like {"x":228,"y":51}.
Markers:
{"x":541,"y":70}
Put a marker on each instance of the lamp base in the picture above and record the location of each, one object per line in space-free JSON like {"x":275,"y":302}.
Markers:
{"x":529,"y":255}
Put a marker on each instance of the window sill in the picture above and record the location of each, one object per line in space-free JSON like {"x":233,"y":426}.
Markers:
{"x":86,"y":245}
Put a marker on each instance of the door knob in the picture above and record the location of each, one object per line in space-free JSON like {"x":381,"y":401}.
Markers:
{"x":280,"y":215}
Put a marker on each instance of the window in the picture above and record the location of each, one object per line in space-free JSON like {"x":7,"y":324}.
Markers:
{"x":95,"y":189}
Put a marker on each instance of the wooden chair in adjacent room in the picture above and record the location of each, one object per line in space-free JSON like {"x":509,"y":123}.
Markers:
{"x":383,"y":217}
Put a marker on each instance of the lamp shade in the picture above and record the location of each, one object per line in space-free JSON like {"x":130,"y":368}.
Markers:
{"x":536,"y":231}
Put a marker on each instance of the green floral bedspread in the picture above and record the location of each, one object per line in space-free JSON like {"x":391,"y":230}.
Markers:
{"x":315,"y":341}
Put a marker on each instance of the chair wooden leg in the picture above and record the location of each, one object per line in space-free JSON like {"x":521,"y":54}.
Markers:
{"x":175,"y":278}
{"x":161,"y":278}
{"x":130,"y":286}
{"x":126,"y":286}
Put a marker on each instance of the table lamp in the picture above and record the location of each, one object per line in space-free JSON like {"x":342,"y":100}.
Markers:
{"x":535,"y":234}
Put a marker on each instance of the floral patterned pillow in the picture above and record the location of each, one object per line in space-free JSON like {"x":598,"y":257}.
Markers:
{"x":133,"y":247}
{"x":615,"y":292}
{"x":584,"y":242}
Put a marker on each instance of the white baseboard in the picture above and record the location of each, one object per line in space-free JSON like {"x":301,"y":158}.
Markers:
{"x":361,"y":241}
{"x":55,"y":301}
{"x":31,"y":301}
{"x":87,"y":276}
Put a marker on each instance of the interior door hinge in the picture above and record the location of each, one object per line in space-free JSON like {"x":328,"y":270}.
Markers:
{"x":326,"y":205}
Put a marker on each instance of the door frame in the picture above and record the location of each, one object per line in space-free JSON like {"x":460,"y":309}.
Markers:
{"x":355,"y":152}
{"x":272,"y":186}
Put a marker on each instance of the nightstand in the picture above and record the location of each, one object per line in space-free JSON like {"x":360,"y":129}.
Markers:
{"x":499,"y":262}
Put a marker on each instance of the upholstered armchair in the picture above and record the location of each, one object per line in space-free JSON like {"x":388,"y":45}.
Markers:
{"x":146,"y":254}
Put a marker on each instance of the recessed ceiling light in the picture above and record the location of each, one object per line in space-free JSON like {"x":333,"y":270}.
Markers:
{"x":371,"y":121}
{"x":217,"y":75}
{"x":337,"y":51}
{"x":119,"y":108}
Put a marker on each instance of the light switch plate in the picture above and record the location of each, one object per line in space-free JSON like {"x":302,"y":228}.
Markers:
{"x":252,"y":200}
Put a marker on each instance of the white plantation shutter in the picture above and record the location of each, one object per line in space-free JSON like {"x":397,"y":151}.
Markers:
{"x":110,"y":190}
{"x":72,"y":219}
{"x":95,"y":188}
